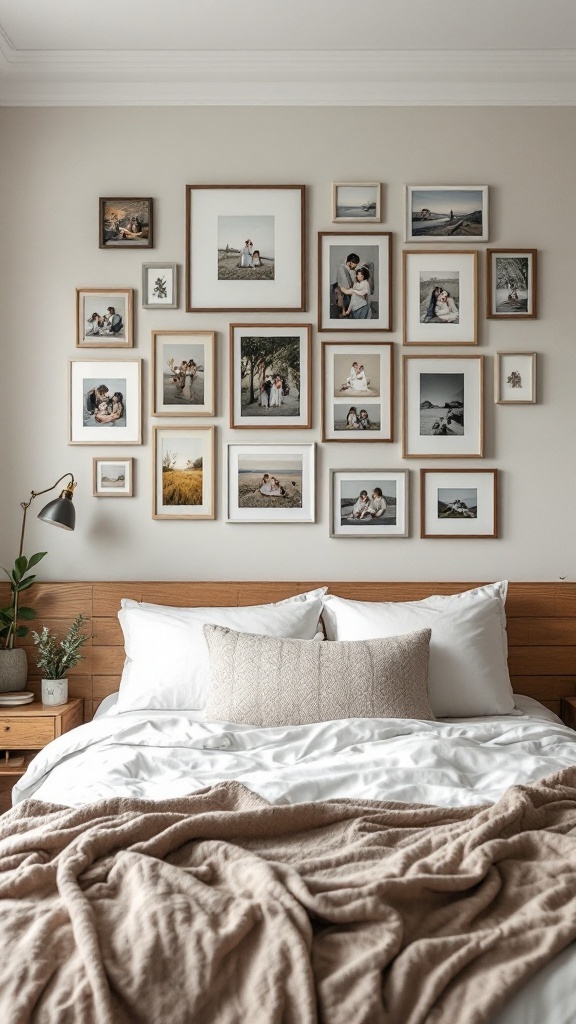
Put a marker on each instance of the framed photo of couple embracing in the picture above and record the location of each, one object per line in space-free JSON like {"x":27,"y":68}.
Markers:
{"x":354,"y":281}
{"x":439,"y":293}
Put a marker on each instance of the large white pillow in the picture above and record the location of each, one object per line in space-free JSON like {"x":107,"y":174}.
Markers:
{"x":468,"y":672}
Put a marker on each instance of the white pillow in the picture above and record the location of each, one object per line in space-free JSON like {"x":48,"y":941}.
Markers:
{"x":468,"y":673}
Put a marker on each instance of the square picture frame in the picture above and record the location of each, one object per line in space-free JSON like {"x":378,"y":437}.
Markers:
{"x":245,"y":248}
{"x":356,"y":202}
{"x":369,"y":503}
{"x":511,"y":284}
{"x":183,"y":373}
{"x":446,"y":213}
{"x":183,"y":472}
{"x":159,"y":286}
{"x":338,"y":274}
{"x":112,"y":478}
{"x":440,"y":297}
{"x":104,"y":318}
{"x":287,"y":474}
{"x":105,"y":398}
{"x":459,"y":504}
{"x":126,"y":222}
{"x":357,"y":391}
{"x":515,"y":378}
{"x":270,"y":376}
{"x":443,"y":407}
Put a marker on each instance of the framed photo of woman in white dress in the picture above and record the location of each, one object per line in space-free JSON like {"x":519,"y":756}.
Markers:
{"x":270,"y":368}
{"x":183,"y":373}
{"x":357,"y":391}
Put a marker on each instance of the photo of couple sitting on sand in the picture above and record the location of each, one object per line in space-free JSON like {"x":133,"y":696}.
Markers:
{"x":104,"y":404}
{"x":360,"y":378}
{"x":240,"y":258}
{"x":439,"y":298}
{"x":277,"y":486}
{"x":369,"y":505}
{"x":105,"y":325}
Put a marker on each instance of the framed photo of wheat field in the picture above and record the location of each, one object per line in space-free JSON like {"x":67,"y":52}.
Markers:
{"x":183,"y":470}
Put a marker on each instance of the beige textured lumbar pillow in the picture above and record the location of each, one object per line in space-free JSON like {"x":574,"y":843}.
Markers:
{"x":265,"y":681}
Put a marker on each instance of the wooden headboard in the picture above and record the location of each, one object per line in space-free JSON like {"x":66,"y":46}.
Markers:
{"x":541,"y":625}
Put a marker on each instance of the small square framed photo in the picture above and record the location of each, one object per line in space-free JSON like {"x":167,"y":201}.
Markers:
{"x":105,"y":401}
{"x":459,"y":503}
{"x":443,"y":400}
{"x":444,"y":213}
{"x":515,"y":378}
{"x":355,"y":281}
{"x":159,"y":286}
{"x":125,"y":223}
{"x":357,"y":391}
{"x":183,"y":373}
{"x":183,"y":471}
{"x":369,"y":503}
{"x":104,"y":318}
{"x":271,"y":483}
{"x":270,"y":376}
{"x":356,"y":202}
{"x":112,"y":478}
{"x":439,"y":296}
{"x":511,"y":284}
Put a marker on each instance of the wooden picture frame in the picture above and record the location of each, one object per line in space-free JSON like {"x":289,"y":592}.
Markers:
{"x":270,"y":376}
{"x":515,"y":378}
{"x":178,"y":389}
{"x":446,"y":213}
{"x":104,"y":318}
{"x":105,"y":398}
{"x":183,"y":468}
{"x":159,"y":286}
{"x":443,"y":407}
{"x":459,"y":504}
{"x":440,"y":297}
{"x":271,"y":483}
{"x":337,"y":271}
{"x":511,"y":284}
{"x":126,"y":222}
{"x":356,"y":202}
{"x":112,"y":478}
{"x":369,"y":503}
{"x":350,"y":410}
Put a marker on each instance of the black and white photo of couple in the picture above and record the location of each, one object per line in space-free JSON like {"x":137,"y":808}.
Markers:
{"x":439,"y":298}
{"x":442,"y":403}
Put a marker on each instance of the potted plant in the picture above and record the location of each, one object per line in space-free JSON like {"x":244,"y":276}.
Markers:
{"x":13,"y":663}
{"x":55,"y":656}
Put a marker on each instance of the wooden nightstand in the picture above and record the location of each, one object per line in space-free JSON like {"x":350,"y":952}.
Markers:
{"x":24,"y":731}
{"x":568,"y":711}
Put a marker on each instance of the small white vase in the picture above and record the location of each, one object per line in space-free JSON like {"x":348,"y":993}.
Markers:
{"x":54,"y":692}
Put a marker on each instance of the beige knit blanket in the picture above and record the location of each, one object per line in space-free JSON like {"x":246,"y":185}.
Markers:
{"x":220,"y":909}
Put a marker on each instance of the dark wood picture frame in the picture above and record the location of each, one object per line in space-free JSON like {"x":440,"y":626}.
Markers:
{"x":492,"y":511}
{"x":123,"y":237}
{"x":515,"y":313}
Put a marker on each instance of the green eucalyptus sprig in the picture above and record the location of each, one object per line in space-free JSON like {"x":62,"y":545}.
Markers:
{"x":55,"y":656}
{"x":10,"y":617}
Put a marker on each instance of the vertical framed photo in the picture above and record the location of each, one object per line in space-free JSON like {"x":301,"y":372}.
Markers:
{"x":104,"y":318}
{"x":183,"y":373}
{"x":356,"y":202}
{"x":357,"y":391}
{"x":105,"y":401}
{"x":443,"y":400}
{"x":459,"y":503}
{"x":439,"y":293}
{"x":369,"y":503}
{"x":183,"y":471}
{"x":245,"y":248}
{"x":436,"y":213}
{"x":515,"y":378}
{"x":271,"y":483}
{"x":112,"y":478}
{"x":511,"y":284}
{"x":355,"y":281}
{"x":159,"y":286}
{"x":126,"y":223}
{"x":270,"y":367}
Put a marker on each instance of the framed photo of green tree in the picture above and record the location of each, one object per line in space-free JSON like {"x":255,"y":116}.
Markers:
{"x":270,"y":376}
{"x":511,"y":284}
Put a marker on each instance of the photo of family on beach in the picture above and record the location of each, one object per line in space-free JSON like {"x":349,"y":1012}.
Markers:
{"x":270,"y":376}
{"x":246,"y":248}
{"x":439,"y":297}
{"x":104,"y":402}
{"x":442,"y":403}
{"x":446,"y":212}
{"x":271,"y":483}
{"x":274,"y":485}
{"x":369,"y":503}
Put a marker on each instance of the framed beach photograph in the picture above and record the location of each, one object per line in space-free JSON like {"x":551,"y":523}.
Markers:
{"x":112,"y":478}
{"x":436,"y":213}
{"x":515,"y":378}
{"x":105,"y":401}
{"x":354,"y":281}
{"x":125,"y":223}
{"x":439,"y":296}
{"x":511,"y":284}
{"x":104,"y":318}
{"x":183,"y":471}
{"x":369,"y":503}
{"x":245,"y":248}
{"x":270,"y":368}
{"x":356,"y":202}
{"x":443,"y":398}
{"x":271,"y":483}
{"x":459,"y":503}
{"x":357,"y":391}
{"x":159,"y":286}
{"x":183,"y":373}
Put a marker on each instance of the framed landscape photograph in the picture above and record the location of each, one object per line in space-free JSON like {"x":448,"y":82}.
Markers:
{"x":511,"y":284}
{"x":369,"y":503}
{"x":104,"y":318}
{"x":183,"y":373}
{"x":443,"y":407}
{"x":112,"y":478}
{"x":270,"y":368}
{"x":459,"y":503}
{"x":105,"y":401}
{"x":515,"y":378}
{"x":439,"y":294}
{"x":357,"y":391}
{"x":159,"y":286}
{"x":183,"y":471}
{"x":356,"y":201}
{"x":271,"y":483}
{"x":245,"y":248}
{"x":125,"y":223}
{"x":438,"y":213}
{"x":354,"y":281}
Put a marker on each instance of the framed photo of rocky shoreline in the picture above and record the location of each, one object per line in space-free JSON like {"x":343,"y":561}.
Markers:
{"x":439,"y":295}
{"x":443,"y":407}
{"x":354,"y":281}
{"x":436,"y":213}
{"x":183,"y":373}
{"x":271,"y":483}
{"x":459,"y":503}
{"x":369,"y":503}
{"x":183,"y":472}
{"x":356,"y":202}
{"x":357,"y":391}
{"x":511,"y":284}
{"x":270,"y":366}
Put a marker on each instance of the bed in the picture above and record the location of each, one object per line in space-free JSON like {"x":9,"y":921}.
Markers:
{"x":262,"y":861}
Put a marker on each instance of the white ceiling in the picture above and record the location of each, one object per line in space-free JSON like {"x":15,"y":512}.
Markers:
{"x":287,"y":51}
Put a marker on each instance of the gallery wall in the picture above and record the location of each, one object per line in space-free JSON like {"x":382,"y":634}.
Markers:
{"x":56,"y":163}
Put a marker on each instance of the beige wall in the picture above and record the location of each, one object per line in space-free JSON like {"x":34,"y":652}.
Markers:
{"x":55,"y":163}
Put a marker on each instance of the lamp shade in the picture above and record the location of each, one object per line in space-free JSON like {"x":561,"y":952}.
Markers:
{"x":60,"y":512}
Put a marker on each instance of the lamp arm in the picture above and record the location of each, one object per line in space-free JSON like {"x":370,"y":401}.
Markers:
{"x":25,"y":505}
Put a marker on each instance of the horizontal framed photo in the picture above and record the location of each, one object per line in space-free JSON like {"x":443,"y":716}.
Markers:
{"x":511,"y":284}
{"x":183,"y":373}
{"x":270,"y":366}
{"x":459,"y":503}
{"x":271,"y":483}
{"x":369,"y":503}
{"x":515,"y":378}
{"x":357,"y":391}
{"x":159,"y":286}
{"x":356,"y":202}
{"x":355,"y":281}
{"x":126,"y":223}
{"x":436,"y":213}
{"x":105,"y":401}
{"x":104,"y":318}
{"x":443,"y":399}
{"x":183,"y":470}
{"x":112,"y":478}
{"x":245,"y":248}
{"x":439,"y":293}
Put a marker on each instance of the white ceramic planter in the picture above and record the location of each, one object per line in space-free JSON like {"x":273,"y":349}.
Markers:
{"x":54,"y":692}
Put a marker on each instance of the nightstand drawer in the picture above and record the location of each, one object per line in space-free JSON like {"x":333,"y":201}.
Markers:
{"x":25,"y":733}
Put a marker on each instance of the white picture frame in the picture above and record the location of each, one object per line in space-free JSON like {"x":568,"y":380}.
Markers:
{"x":97,"y":416}
{"x":446,"y":213}
{"x":112,"y":478}
{"x":291,"y":465}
